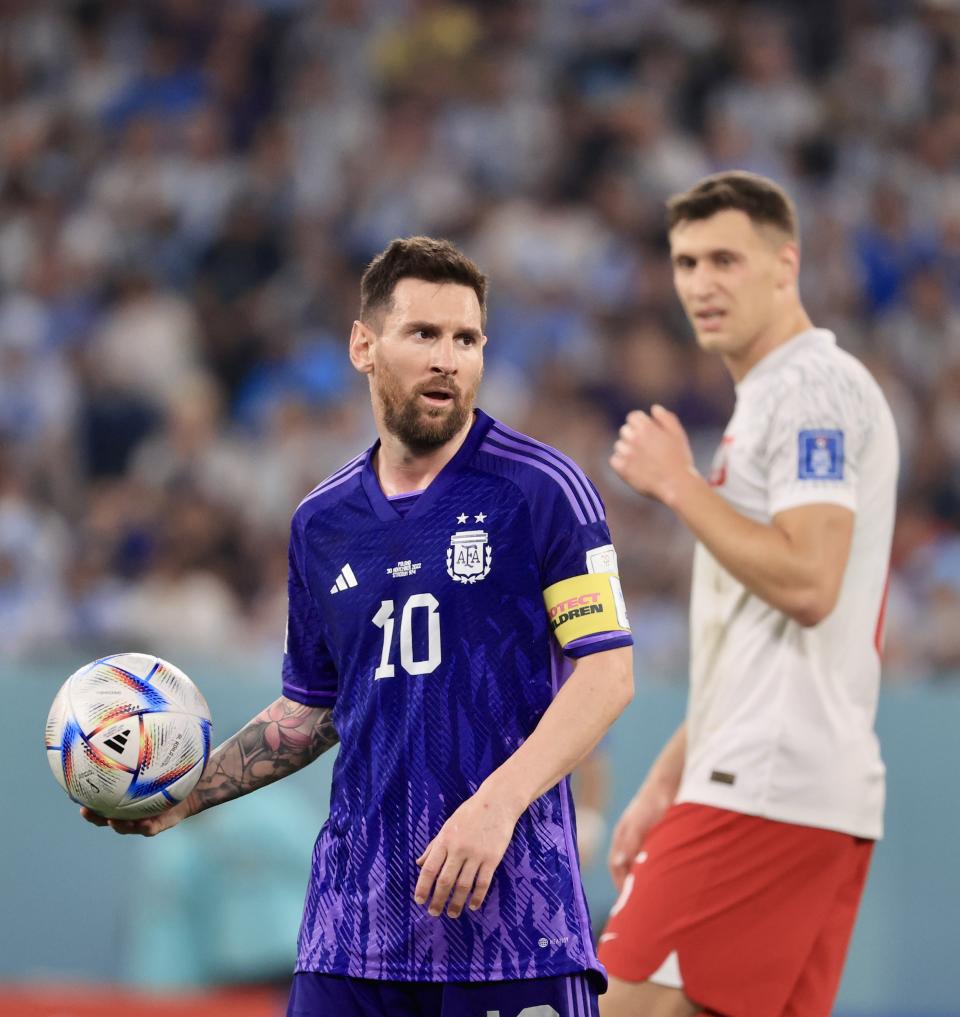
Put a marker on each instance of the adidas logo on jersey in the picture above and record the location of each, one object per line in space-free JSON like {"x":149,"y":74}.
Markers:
{"x":345,"y":580}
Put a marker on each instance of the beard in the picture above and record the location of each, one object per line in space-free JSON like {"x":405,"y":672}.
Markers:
{"x":423,"y":428}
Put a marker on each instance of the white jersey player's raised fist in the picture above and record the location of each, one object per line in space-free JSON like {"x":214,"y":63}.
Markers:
{"x":651,"y":452}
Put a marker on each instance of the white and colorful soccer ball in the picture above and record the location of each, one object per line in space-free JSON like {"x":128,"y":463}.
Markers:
{"x":128,"y":735}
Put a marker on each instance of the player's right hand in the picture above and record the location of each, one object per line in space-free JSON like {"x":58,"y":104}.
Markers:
{"x":651,"y":452}
{"x":460,"y":861}
{"x":149,"y":826}
{"x":639,"y":817}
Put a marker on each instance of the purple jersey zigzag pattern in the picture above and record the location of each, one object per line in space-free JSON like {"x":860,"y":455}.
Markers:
{"x":438,"y":660}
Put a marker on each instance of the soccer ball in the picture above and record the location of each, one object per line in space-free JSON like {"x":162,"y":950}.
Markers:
{"x":128,"y":736}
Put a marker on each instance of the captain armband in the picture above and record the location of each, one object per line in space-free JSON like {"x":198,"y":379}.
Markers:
{"x":586,"y":606}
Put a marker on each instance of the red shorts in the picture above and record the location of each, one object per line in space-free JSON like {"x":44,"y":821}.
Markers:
{"x":757,"y":913}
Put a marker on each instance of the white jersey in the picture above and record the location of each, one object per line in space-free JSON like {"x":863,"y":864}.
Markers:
{"x":780,"y":717}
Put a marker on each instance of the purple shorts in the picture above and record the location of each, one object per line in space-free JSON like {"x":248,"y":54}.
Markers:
{"x":317,"y":995}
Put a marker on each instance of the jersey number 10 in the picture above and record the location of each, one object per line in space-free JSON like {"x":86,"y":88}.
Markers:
{"x":384,"y":619}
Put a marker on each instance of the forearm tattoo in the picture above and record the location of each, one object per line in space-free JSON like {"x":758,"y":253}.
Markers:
{"x":280,"y":740}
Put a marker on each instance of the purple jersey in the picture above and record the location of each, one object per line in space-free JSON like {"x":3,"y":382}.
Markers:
{"x":428,"y":632}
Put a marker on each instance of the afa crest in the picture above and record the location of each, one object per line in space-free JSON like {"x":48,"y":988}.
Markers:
{"x":469,"y":556}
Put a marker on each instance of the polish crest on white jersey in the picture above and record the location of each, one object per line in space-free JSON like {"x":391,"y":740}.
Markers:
{"x":780,"y":720}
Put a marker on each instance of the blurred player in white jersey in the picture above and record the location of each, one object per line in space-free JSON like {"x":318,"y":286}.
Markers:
{"x":742,"y":857}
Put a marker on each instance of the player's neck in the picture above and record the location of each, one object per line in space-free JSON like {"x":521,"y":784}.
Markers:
{"x":401,"y":470}
{"x":780,"y":331}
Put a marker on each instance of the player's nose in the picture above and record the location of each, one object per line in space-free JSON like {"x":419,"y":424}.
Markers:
{"x":444,"y":356}
{"x":702,"y":282}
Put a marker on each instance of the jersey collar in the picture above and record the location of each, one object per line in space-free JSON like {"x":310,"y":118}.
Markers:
{"x":382,"y":506}
{"x":808,"y":339}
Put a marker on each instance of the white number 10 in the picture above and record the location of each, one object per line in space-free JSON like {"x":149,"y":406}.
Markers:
{"x":383,"y":619}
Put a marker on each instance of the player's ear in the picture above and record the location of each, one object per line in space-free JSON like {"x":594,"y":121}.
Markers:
{"x":788,"y":264}
{"x":361,"y":347}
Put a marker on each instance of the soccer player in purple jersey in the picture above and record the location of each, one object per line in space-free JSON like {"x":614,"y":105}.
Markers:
{"x":456,"y":624}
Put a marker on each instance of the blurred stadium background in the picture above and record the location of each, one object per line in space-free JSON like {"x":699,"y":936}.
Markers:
{"x":188,"y":194}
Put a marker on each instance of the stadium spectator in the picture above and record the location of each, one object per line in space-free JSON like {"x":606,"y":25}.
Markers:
{"x":193,"y":189}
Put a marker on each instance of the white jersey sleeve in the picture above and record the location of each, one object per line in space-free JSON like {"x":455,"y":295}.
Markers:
{"x":818,"y":432}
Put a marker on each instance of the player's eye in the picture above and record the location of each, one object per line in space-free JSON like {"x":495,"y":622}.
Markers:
{"x":467,"y":340}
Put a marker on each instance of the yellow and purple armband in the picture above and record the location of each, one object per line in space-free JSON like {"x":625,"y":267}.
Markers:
{"x":586,"y":606}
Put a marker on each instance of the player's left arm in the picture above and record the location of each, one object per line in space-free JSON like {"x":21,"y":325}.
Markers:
{"x":283,"y":738}
{"x":464,"y":855}
{"x":795,"y":563}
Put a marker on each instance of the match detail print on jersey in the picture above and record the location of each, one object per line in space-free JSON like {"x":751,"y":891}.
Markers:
{"x":584,"y":606}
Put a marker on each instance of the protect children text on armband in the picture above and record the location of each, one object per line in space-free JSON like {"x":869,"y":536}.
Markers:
{"x":586,"y":606}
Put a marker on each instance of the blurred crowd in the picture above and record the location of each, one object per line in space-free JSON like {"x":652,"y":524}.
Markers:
{"x":190,"y":191}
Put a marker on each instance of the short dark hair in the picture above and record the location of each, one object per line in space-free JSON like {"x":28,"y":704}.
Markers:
{"x":423,"y":258}
{"x":763,"y":201}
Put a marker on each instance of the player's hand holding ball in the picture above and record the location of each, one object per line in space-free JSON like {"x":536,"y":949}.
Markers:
{"x":147,"y":827}
{"x":652,"y":453}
